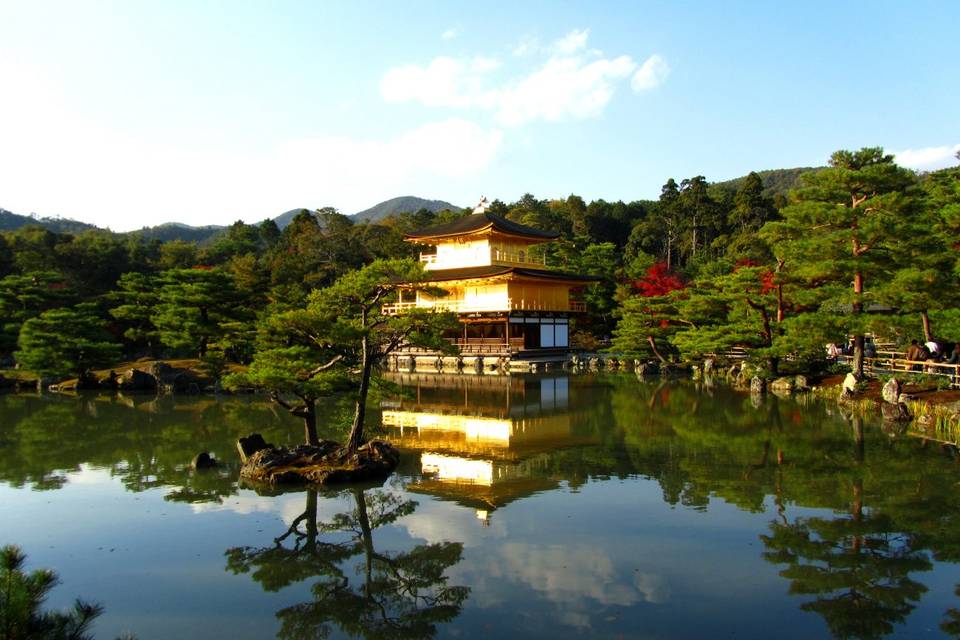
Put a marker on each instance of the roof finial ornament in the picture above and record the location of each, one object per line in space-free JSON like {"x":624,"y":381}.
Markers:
{"x":482,"y":206}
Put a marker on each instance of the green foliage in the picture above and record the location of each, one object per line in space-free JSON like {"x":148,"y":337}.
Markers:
{"x":21,"y":598}
{"x":194,"y":307}
{"x":67,"y":341}
{"x":340,"y":337}
{"x":137,"y":295}
{"x":24,"y":297}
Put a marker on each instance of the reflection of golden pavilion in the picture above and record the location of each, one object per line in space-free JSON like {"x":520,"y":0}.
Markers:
{"x":483,"y":440}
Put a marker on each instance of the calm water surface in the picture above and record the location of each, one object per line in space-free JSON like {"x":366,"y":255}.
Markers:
{"x":548,"y":506}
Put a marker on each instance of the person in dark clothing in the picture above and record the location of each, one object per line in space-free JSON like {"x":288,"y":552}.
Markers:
{"x":914,"y":354}
{"x":954,"y":355}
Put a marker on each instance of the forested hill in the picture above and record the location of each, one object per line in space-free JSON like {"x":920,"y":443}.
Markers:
{"x":775,"y":181}
{"x":10,"y":221}
{"x":403,"y":204}
{"x":178,"y":231}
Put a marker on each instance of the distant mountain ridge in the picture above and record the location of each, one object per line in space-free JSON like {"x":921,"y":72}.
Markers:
{"x":168,"y":231}
{"x":10,"y":221}
{"x":402,"y":204}
{"x":775,"y":181}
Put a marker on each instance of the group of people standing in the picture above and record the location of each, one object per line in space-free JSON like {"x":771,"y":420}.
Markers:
{"x":932,"y":351}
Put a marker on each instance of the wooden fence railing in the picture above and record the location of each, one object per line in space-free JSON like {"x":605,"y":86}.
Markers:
{"x":890,"y":362}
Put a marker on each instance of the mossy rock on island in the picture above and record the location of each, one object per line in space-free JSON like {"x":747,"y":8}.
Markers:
{"x":324,"y":464}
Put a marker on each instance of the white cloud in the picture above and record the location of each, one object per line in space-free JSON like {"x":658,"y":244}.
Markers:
{"x":572,"y":83}
{"x":928,"y":158}
{"x":572,"y":42}
{"x":651,"y":74}
{"x":527,"y":45}
{"x":445,"y":82}
{"x":450,"y":33}
{"x":563,"y":88}
{"x":58,"y":163}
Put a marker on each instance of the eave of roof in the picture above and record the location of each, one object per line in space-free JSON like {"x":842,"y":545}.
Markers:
{"x":491,"y":271}
{"x":477,"y":222}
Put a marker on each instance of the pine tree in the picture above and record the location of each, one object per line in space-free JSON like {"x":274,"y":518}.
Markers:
{"x":751,"y":209}
{"x":137,"y":296}
{"x":193,"y":306}
{"x":27,"y":296}
{"x":21,"y":596}
{"x":342,"y":336}
{"x":843,"y":226}
{"x":67,"y":341}
{"x":742,"y":307}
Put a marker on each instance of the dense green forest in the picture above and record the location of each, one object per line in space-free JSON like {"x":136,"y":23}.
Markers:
{"x":778,"y":262}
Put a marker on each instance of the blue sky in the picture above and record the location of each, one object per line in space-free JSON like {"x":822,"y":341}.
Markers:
{"x":134,"y":113}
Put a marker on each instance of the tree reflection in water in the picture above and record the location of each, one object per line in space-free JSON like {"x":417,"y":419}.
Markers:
{"x":858,"y":566}
{"x":390,"y":595}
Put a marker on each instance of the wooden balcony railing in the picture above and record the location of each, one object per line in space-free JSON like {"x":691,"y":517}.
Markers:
{"x":478,"y":346}
{"x":517,"y":258}
{"x":496,"y":257}
{"x":467,"y":306}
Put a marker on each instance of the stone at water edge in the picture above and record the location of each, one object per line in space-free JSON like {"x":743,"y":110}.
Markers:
{"x":137,"y":380}
{"x":648,"y":369}
{"x":850,"y":383}
{"x":891,"y":391}
{"x":250,"y":445}
{"x":204,"y":460}
{"x":782,"y":384}
{"x":895,"y":412}
{"x":707,"y":366}
{"x":758,"y":386}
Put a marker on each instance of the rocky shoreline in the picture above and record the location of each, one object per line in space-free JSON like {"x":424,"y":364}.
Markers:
{"x":326,"y":463}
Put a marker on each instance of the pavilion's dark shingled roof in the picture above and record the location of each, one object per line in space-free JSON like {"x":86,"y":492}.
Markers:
{"x":476,"y":222}
{"x":488,"y":271}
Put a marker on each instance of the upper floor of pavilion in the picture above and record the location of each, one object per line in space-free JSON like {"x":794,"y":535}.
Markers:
{"x":480,"y":239}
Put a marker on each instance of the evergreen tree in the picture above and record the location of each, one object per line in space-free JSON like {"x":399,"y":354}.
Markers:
{"x":27,"y":296}
{"x":341,"y":335}
{"x":751,"y":208}
{"x":192,"y":306}
{"x":68,"y":341}
{"x":742,"y":307}
{"x":21,"y":597}
{"x":137,"y":296}
{"x":843,"y":226}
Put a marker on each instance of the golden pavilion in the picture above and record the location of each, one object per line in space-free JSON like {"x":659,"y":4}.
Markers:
{"x":508,"y":303}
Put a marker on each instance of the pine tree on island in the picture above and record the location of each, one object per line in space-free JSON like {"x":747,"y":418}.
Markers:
{"x":338,"y":341}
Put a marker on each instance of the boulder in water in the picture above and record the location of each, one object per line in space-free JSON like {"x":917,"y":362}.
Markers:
{"x":251,"y":444}
{"x":204,"y":460}
{"x":891,"y":391}
{"x":895,"y":412}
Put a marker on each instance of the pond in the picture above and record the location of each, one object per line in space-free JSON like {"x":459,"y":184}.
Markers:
{"x":534,"y":506}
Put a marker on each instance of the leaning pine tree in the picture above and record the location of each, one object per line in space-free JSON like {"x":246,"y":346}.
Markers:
{"x":340,"y":340}
{"x":843,"y":228}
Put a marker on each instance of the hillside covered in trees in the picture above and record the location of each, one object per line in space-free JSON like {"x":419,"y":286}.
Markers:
{"x":704,"y":268}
